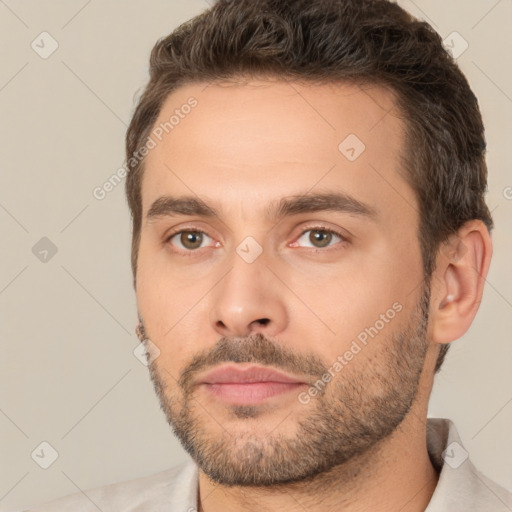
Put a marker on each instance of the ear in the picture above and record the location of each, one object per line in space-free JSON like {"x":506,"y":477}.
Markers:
{"x":458,"y":281}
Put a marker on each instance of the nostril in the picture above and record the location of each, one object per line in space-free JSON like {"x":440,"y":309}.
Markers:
{"x":263,"y":321}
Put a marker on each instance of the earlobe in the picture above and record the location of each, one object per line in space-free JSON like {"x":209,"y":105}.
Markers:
{"x":462,"y":266}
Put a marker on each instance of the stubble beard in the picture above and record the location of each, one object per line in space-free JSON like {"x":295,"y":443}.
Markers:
{"x":359,"y":408}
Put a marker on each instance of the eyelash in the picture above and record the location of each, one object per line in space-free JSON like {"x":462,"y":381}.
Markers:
{"x":192,"y":252}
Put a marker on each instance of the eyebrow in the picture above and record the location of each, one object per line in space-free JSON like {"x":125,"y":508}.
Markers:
{"x":168,"y":206}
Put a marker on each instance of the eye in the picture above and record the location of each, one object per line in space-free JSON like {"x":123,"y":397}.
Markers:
{"x":318,"y":238}
{"x":188,"y":240}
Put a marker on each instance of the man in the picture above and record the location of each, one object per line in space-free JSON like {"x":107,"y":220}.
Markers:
{"x":307,"y":182}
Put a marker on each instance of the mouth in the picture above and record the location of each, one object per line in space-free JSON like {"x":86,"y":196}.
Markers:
{"x":240,"y":384}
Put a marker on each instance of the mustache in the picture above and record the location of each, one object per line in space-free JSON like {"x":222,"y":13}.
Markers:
{"x":255,"y":348}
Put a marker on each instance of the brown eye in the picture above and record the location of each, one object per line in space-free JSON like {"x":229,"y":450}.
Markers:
{"x":188,"y":240}
{"x":191,"y":239}
{"x":320,"y":238}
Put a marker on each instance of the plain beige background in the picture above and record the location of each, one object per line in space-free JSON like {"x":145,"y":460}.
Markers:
{"x":68,"y":373}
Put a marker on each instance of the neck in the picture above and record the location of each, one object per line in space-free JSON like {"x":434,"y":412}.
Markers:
{"x":395,"y":475}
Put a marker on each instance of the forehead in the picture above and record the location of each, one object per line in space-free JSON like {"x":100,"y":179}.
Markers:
{"x":247,"y":142}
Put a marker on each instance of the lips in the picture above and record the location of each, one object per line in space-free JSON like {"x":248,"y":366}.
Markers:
{"x":246,"y":375}
{"x":248,"y":385}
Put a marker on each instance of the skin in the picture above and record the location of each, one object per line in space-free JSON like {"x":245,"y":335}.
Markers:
{"x":242,"y":147}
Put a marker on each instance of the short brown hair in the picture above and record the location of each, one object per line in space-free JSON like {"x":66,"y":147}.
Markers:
{"x":359,"y":41}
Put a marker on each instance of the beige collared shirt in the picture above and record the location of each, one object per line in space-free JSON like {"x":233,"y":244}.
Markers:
{"x":461,"y":487}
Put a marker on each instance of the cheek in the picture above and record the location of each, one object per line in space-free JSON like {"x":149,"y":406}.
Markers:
{"x":168,"y":312}
{"x":163,"y":295}
{"x":362,"y":303}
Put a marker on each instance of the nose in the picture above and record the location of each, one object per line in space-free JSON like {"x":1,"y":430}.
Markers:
{"x":248,"y":299}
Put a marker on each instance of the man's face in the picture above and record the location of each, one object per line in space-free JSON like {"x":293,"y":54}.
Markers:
{"x":325,"y":291}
